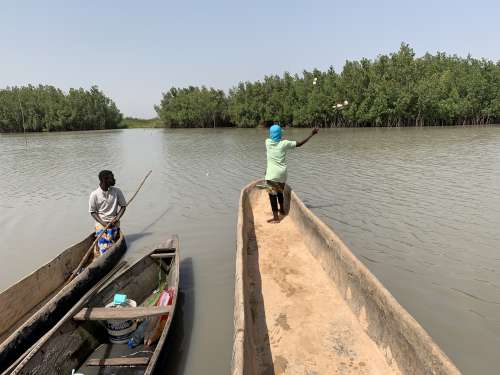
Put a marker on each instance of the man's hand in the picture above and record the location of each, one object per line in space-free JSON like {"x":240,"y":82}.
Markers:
{"x":314,"y":131}
{"x":98,"y":219}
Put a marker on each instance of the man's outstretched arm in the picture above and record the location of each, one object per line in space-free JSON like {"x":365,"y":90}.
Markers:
{"x":314,"y":131}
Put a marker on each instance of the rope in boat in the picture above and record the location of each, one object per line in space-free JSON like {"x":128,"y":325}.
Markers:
{"x":139,"y":352}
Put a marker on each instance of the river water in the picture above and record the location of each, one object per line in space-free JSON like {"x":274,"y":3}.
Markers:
{"x":420,"y":207}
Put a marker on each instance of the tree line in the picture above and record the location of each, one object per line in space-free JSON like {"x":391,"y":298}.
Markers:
{"x":194,"y":107}
{"x":398,"y":89}
{"x":46,"y":108}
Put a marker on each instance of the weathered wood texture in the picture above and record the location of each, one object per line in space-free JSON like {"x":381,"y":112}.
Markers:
{"x":18,"y":302}
{"x":122,"y":313}
{"x":174,"y":282}
{"x":47,"y":316}
{"x":26,"y":356}
{"x":165,"y":255}
{"x":74,"y":341}
{"x":135,"y":361}
{"x":397,"y":334}
{"x":244,"y":356}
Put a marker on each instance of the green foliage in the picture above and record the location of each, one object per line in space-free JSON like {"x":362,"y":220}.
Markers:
{"x":193,"y":107}
{"x":391,"y":90}
{"x":46,"y":108}
{"x":132,"y":122}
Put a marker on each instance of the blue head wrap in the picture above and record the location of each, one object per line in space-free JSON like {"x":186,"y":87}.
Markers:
{"x":275,"y":133}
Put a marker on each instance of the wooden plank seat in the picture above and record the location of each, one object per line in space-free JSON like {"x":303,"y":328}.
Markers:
{"x":121,"y":313}
{"x":163,"y":255}
{"x":119,"y":361}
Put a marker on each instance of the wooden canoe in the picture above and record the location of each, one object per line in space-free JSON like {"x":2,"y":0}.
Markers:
{"x":81,"y":342}
{"x":33,"y":305}
{"x":305,"y":304}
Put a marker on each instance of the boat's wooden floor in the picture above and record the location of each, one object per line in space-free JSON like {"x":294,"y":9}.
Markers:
{"x":114,"y":351}
{"x":303,"y":324}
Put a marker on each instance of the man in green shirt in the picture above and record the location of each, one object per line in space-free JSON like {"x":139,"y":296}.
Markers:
{"x":276,"y":172}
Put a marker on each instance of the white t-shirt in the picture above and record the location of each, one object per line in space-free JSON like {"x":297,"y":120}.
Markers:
{"x":106,"y":203}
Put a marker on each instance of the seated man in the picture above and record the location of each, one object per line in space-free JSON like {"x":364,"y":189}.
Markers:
{"x":106,"y":205}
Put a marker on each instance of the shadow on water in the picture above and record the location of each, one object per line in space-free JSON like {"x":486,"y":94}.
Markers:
{"x":319,"y":206}
{"x":157,"y":220}
{"x":174,"y":354}
{"x":131,"y":238}
{"x":313,"y":206}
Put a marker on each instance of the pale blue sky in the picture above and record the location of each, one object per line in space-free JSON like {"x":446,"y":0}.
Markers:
{"x":136,"y":50}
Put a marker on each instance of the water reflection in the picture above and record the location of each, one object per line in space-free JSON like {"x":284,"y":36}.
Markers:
{"x":176,"y":349}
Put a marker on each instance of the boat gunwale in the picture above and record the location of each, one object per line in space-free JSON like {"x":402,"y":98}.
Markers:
{"x":48,"y":263}
{"x":239,"y":334}
{"x":31,"y":277}
{"x":164,"y":334}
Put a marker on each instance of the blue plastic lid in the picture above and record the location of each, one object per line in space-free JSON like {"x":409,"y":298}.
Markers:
{"x":119,"y":299}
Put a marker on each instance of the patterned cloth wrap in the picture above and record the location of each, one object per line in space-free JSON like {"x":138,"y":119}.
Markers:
{"x":106,"y":240}
{"x":275,"y":187}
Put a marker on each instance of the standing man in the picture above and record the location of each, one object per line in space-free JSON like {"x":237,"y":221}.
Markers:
{"x":276,"y":172}
{"x":106,"y":205}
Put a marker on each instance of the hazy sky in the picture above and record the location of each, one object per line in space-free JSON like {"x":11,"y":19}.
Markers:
{"x":135,"y":50}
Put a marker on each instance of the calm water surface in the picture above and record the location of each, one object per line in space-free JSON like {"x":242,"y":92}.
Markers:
{"x":420,"y":207}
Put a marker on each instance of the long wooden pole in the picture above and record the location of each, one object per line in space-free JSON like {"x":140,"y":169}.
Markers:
{"x":89,"y":251}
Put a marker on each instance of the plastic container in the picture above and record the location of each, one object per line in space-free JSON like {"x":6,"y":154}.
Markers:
{"x":119,"y":331}
{"x":137,"y":338}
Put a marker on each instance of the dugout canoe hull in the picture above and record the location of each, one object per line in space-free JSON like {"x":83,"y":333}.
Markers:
{"x":33,"y":305}
{"x":405,"y":345}
{"x":77,"y":342}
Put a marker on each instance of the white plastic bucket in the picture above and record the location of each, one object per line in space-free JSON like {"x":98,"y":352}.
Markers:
{"x":119,"y":331}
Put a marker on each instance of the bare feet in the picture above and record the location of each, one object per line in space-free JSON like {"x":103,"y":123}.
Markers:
{"x":273,"y":221}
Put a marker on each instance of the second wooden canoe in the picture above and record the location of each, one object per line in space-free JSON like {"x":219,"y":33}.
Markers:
{"x":81,"y":341}
{"x":33,"y":305}
{"x":305,"y":304}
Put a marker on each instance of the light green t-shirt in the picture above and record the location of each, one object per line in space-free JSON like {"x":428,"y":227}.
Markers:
{"x":276,"y":159}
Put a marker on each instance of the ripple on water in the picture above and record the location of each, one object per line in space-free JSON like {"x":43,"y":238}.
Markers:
{"x":420,"y":207}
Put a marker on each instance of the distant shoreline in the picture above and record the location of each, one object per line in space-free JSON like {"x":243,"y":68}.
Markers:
{"x":155,"y":123}
{"x":136,"y":123}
